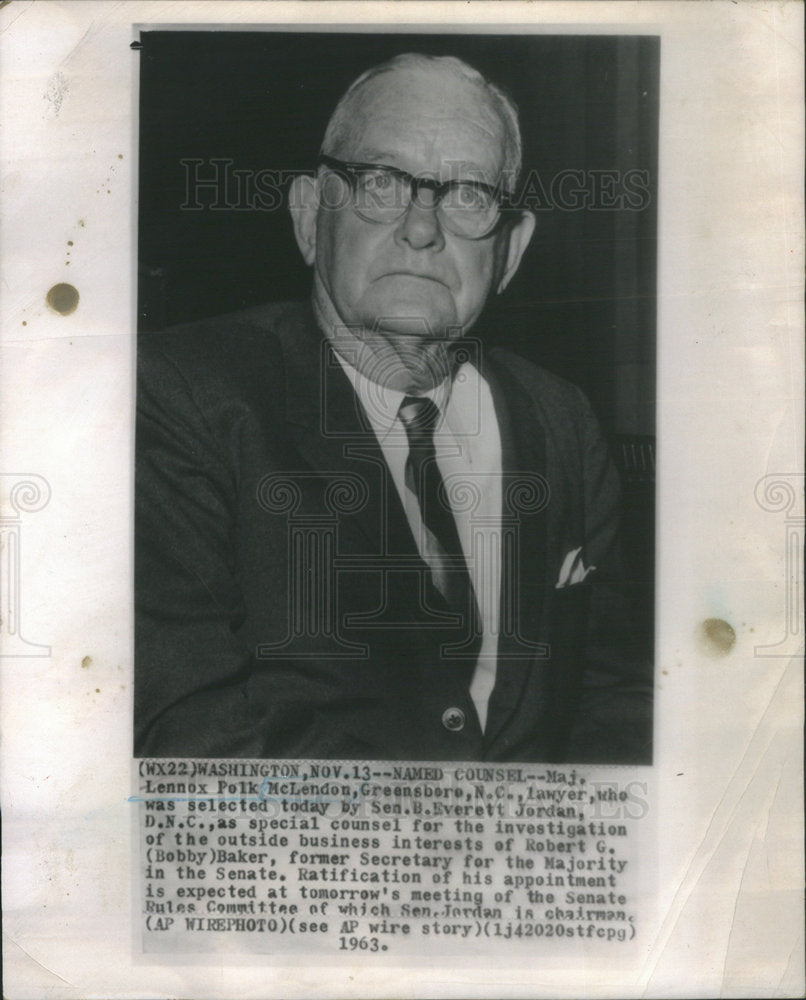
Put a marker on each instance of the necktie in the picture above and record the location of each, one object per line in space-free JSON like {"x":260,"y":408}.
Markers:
{"x":443,"y":550}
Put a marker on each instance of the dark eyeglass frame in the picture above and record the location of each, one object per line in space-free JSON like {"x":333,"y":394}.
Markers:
{"x":351,"y":168}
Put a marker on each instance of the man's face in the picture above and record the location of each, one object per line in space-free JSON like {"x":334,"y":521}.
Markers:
{"x":412,"y":276}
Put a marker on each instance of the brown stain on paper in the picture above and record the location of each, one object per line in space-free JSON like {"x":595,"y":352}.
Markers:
{"x":717,"y":636}
{"x":63,"y":298}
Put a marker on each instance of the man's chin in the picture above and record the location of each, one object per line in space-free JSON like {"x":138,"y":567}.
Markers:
{"x":424,"y":312}
{"x":414,"y":327}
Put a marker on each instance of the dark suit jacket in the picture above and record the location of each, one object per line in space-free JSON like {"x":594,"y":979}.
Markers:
{"x":280,"y":596}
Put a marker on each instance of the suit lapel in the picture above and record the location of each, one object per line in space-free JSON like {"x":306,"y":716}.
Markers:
{"x":525,"y":495}
{"x":333,"y":437}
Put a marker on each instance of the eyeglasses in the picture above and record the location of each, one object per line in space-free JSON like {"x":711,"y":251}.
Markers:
{"x":382,"y":194}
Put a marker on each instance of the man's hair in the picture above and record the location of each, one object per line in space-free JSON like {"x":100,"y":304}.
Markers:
{"x":341,"y":126}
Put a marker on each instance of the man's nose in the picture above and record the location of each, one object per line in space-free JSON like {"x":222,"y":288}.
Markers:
{"x":419,"y":226}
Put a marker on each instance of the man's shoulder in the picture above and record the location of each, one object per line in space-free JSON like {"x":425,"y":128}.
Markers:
{"x":549,"y":393}
{"x":255,"y":356}
{"x":231,"y":337}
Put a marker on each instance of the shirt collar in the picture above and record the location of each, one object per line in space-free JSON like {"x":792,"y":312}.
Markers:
{"x":381,"y":403}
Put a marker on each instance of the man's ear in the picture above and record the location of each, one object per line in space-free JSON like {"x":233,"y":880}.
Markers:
{"x":520,"y":233}
{"x":303,"y":203}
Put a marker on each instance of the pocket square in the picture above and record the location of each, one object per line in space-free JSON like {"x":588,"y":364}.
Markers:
{"x":573,"y":570}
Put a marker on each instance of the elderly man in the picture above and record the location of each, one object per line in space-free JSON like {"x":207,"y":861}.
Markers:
{"x":361,"y":533}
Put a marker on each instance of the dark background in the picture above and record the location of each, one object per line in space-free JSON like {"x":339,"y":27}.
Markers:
{"x":583,"y":302}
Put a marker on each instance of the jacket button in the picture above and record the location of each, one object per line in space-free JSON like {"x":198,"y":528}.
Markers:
{"x":453,"y":719}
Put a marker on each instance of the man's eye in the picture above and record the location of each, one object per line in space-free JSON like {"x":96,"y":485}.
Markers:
{"x":379,"y":193}
{"x":468,"y":197}
{"x":377,"y":181}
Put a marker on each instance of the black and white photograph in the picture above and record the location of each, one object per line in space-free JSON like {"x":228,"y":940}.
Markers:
{"x":395,"y":431}
{"x":402,"y":499}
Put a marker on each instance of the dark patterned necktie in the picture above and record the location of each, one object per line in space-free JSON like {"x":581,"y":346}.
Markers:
{"x":443,"y":550}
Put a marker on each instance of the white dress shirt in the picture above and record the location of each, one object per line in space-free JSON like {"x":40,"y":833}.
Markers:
{"x":468,"y":446}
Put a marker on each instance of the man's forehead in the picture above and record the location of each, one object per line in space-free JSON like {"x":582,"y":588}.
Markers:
{"x":426,"y":113}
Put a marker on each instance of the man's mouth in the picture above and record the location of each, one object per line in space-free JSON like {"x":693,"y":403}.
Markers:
{"x":413,"y":274}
